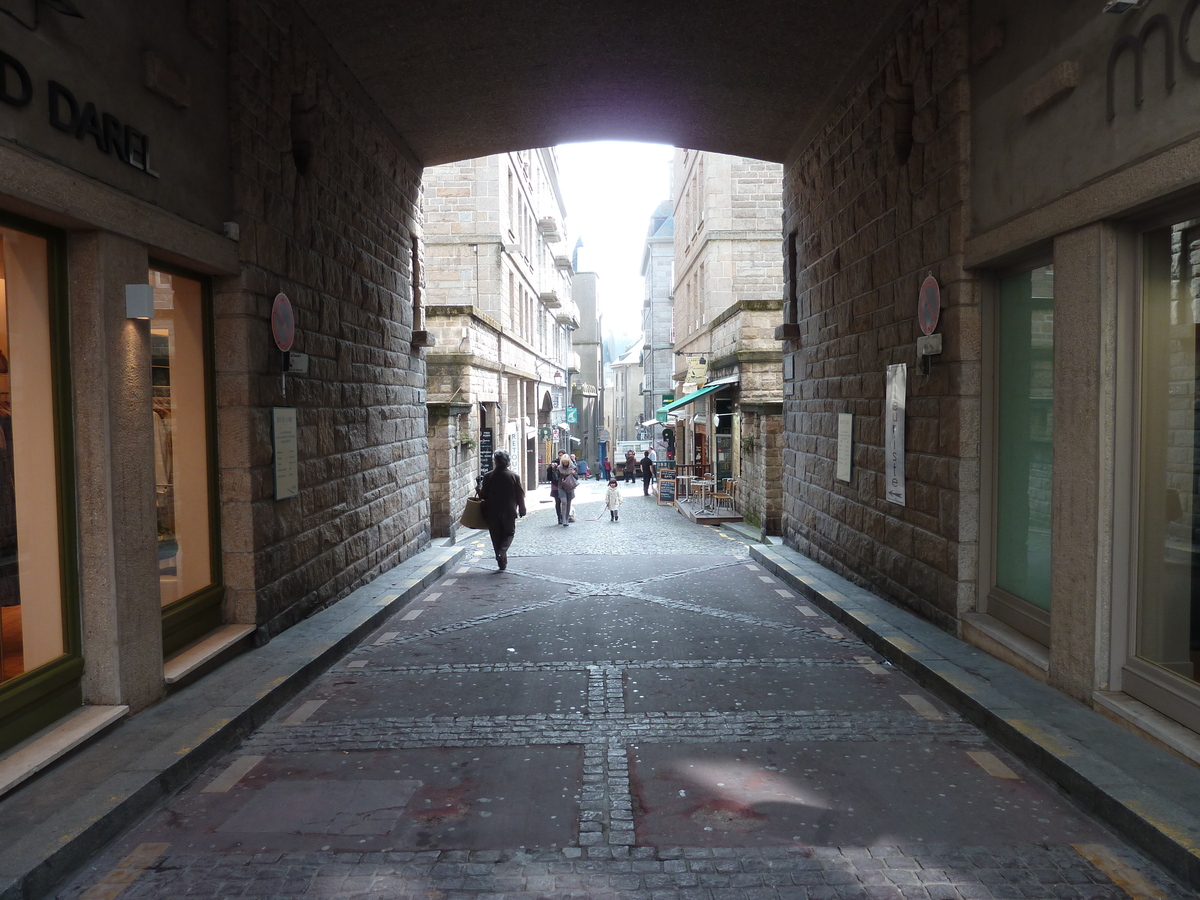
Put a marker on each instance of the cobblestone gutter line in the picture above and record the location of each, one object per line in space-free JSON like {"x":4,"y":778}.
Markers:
{"x":1147,"y":795}
{"x":204,"y":721}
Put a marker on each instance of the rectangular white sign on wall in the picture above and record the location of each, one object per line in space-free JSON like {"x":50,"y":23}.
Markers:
{"x":285,"y":443}
{"x":893,"y":433}
{"x":845,"y":445}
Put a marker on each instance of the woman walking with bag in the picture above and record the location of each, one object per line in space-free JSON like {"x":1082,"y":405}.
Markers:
{"x":503,"y":500}
{"x":568,"y":480}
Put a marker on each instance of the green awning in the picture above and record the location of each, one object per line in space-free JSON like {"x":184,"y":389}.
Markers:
{"x":696,"y":395}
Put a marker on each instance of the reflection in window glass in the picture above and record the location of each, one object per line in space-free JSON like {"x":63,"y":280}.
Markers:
{"x":1025,"y":458}
{"x":31,"y":625}
{"x":1168,"y":627}
{"x":180,"y":437}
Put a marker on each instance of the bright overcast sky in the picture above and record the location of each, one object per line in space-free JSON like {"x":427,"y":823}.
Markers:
{"x":610,"y":188}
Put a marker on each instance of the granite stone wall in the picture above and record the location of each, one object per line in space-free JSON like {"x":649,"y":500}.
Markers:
{"x":877,"y":202}
{"x":326,"y":201}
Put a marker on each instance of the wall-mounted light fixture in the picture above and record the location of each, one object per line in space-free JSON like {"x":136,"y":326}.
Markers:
{"x":139,"y":301}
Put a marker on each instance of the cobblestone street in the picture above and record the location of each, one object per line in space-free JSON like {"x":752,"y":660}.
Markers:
{"x":635,"y":710}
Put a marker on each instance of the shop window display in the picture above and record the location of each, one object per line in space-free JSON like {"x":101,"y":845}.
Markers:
{"x":1168,"y":611}
{"x":31,"y":617}
{"x":180,"y":437}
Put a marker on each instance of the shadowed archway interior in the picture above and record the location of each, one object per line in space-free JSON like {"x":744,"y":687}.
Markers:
{"x":460,"y":80}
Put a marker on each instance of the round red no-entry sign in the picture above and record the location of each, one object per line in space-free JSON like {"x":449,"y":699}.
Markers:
{"x":283,"y":322}
{"x":929,"y":305}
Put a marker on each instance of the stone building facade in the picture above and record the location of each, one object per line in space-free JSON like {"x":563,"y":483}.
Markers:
{"x":586,"y":370}
{"x":727,"y":303}
{"x":1039,"y":165}
{"x":148,"y":226}
{"x":658,"y":333}
{"x":499,"y":309}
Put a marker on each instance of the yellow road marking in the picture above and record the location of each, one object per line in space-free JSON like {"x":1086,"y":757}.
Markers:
{"x":904,"y":646}
{"x":1127,"y":878}
{"x":991,"y":764}
{"x":924,"y":708}
{"x":1044,"y":738}
{"x":387,"y":636}
{"x":127,"y":870}
{"x":303,"y":711}
{"x":236,"y":771}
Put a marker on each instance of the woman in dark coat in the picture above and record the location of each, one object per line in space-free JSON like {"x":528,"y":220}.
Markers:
{"x":503,"y":500}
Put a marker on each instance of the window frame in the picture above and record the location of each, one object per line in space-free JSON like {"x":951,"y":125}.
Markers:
{"x":37,"y":698}
{"x":194,"y":615}
{"x":1018,"y":614}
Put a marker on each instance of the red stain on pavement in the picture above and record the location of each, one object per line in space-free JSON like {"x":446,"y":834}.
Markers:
{"x":434,"y":806}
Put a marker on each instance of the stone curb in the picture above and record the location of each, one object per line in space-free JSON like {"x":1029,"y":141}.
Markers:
{"x":201,"y":722}
{"x":1144,"y":793}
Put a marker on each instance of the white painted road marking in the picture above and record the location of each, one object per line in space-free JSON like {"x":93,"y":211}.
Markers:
{"x":431,"y":597}
{"x":833,"y":633}
{"x":300,"y":716}
{"x":387,"y":636}
{"x":409,"y":616}
{"x":804,"y":610}
{"x":232,"y":775}
{"x":924,"y":708}
{"x":357,"y":664}
{"x":991,"y":764}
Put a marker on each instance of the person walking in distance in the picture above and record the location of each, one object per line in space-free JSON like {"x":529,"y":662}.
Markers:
{"x":568,"y":480}
{"x":612,"y":500}
{"x":630,"y":467}
{"x":646,"y":464}
{"x":503,"y":501}
{"x":552,"y":477}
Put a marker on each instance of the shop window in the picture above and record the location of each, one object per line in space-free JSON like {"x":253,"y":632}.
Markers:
{"x":1024,"y":451}
{"x":181,"y":438}
{"x":31,"y":590}
{"x":1168,"y":587}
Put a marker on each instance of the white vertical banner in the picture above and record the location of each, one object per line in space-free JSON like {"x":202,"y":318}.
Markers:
{"x":893,"y":433}
{"x":845,"y":446}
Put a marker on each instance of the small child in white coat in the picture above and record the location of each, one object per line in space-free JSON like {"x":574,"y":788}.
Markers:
{"x":612,"y":500}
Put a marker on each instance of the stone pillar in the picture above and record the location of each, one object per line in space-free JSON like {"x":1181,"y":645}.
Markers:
{"x":1084,"y":282}
{"x":121,"y":612}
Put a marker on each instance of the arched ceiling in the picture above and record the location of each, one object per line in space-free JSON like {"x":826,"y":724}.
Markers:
{"x":459,"y":79}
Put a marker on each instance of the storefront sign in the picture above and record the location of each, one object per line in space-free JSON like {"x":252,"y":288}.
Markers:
{"x":1136,"y":44}
{"x":697,"y":368}
{"x":845,"y":445}
{"x":893,"y":433}
{"x":485,"y":450}
{"x":572,"y":415}
{"x":285,"y":445}
{"x":78,"y":119}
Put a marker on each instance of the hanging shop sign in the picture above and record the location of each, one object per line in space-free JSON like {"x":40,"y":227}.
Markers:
{"x":572,"y":415}
{"x":80,"y":118}
{"x":893,"y":433}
